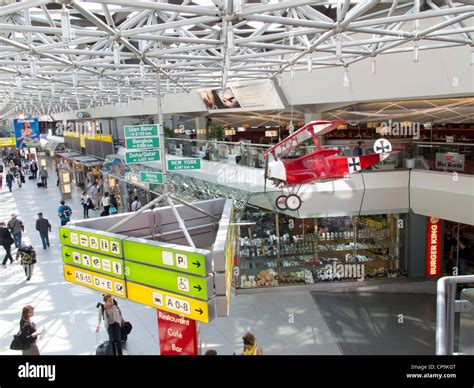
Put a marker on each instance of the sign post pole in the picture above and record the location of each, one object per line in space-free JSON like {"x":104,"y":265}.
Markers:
{"x":161,"y":134}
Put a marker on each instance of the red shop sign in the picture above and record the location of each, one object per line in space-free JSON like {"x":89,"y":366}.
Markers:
{"x":178,"y":335}
{"x":433,"y":252}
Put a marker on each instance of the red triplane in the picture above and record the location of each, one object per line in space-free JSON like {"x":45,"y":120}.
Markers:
{"x":322,"y":164}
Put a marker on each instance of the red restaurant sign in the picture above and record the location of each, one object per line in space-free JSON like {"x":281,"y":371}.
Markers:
{"x":433,"y":252}
{"x":178,"y":335}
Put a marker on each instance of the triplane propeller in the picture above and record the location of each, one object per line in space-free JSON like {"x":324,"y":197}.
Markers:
{"x":289,"y":173}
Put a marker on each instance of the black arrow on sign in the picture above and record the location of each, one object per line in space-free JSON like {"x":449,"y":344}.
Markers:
{"x":197,"y":263}
{"x":198,"y":287}
{"x":69,"y":273}
{"x":199,"y":310}
{"x":67,"y":255}
{"x":65,"y":236}
{"x":157,"y":300}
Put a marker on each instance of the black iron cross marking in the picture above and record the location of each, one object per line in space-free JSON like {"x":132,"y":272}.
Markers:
{"x":383,"y":147}
{"x":354,"y":163}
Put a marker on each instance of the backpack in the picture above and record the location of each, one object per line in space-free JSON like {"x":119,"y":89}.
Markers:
{"x":66,"y":211}
{"x":27,"y":255}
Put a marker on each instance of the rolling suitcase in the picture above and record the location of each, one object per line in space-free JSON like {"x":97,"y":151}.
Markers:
{"x":103,"y":348}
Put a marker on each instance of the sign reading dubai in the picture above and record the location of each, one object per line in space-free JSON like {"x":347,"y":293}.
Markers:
{"x":140,"y":130}
{"x":184,"y":164}
{"x":142,"y":156}
{"x":433,"y":252}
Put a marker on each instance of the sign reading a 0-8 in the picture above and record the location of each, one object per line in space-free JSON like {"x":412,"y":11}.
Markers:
{"x":100,"y":243}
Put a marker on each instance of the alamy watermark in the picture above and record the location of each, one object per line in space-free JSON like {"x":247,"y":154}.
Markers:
{"x":343,"y":271}
{"x":395,"y":128}
{"x":31,"y":371}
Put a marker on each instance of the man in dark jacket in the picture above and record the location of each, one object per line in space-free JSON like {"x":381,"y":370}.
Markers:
{"x":43,"y":227}
{"x":34,"y":169}
{"x":6,"y":241}
{"x":9,"y":178}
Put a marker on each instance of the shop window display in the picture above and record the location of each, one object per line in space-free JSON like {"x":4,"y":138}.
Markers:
{"x":307,"y":251}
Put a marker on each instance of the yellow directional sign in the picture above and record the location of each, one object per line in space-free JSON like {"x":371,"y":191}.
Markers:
{"x":197,"y":310}
{"x":96,"y":281}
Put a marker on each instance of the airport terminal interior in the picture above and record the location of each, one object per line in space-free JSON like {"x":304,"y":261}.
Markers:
{"x":237,"y":177}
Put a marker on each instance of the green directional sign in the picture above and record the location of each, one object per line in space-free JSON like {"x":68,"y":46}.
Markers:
{"x":142,"y":156}
{"x":151,"y":177}
{"x":181,"y":283}
{"x":142,"y":142}
{"x":102,"y":243}
{"x":93,"y":261}
{"x":140,"y":130}
{"x":184,"y":164}
{"x":163,"y":255}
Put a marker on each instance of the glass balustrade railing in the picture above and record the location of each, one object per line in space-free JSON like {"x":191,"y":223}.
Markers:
{"x":445,"y":157}
{"x":251,"y":154}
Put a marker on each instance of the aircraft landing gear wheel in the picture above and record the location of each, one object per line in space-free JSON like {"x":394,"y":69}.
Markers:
{"x":280,"y":202}
{"x":293,"y":202}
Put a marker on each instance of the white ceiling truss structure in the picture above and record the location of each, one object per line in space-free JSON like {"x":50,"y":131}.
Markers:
{"x":66,"y":55}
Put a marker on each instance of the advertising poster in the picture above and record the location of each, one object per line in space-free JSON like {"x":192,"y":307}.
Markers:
{"x":242,"y":96}
{"x":27,"y":133}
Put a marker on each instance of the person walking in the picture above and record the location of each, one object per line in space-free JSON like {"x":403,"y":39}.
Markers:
{"x":86,"y":203}
{"x":18,"y":176}
{"x":43,"y":227}
{"x":16,"y":228}
{"x":44,"y":177}
{"x":6,"y":241}
{"x":94,"y":193}
{"x":136,"y":204}
{"x":29,"y":333}
{"x":105,"y":201}
{"x":113,"y":204}
{"x":34,"y":169}
{"x":250,"y":345}
{"x":64,"y":213}
{"x":27,"y":257}
{"x":112,"y":316}
{"x":9,"y":179}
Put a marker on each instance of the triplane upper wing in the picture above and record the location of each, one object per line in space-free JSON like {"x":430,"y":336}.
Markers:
{"x":311,"y":130}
